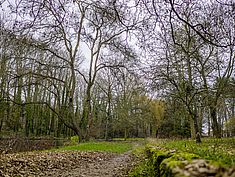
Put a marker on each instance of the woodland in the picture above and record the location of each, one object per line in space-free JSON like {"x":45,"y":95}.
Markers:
{"x":103,"y":69}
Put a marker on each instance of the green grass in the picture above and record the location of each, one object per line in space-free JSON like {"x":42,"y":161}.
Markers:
{"x":115,"y":147}
{"x":129,"y":139}
{"x":220,"y":151}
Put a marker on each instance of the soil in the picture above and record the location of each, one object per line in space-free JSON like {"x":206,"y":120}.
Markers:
{"x":66,"y":163}
{"x":117,"y":165}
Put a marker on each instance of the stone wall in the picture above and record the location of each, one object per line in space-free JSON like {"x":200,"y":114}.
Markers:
{"x":165,"y":163}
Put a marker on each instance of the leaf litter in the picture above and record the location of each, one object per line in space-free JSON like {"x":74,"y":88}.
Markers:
{"x":65,"y":163}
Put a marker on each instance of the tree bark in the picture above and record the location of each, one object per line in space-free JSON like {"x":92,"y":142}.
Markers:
{"x":215,"y":125}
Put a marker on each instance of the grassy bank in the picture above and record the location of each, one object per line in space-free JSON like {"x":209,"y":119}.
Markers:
{"x":221,"y":151}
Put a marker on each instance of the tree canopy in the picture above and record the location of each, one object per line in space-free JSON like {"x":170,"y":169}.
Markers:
{"x":105,"y":69}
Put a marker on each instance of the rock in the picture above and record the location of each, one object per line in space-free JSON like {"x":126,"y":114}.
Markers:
{"x":203,"y":170}
{"x":231,"y":172}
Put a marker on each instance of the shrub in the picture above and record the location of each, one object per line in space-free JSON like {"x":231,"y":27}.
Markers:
{"x":74,"y":140}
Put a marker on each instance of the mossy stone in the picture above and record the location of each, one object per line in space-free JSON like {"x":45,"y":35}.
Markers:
{"x":163,"y":163}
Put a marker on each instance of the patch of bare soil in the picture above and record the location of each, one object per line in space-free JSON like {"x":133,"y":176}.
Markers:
{"x":65,"y":163}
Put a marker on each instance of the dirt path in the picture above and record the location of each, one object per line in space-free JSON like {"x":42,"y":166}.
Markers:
{"x":66,"y":163}
{"x":117,"y":165}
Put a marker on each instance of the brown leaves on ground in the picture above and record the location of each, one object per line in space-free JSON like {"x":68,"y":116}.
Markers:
{"x":64,"y":163}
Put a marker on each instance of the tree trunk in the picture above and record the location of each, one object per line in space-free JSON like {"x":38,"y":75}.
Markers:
{"x":215,"y":125}
{"x":1,"y":124}
{"x":226,"y":120}
{"x":194,"y":114}
{"x":196,"y":127}
{"x":192,"y":128}
{"x":86,"y":120}
{"x":125,"y":134}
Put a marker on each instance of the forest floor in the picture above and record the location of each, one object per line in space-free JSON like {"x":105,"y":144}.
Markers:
{"x":66,"y":163}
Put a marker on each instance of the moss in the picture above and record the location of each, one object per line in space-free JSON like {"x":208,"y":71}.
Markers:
{"x":185,"y":156}
{"x":162,"y":163}
{"x":171,"y":164}
{"x":166,"y":167}
{"x":138,"y":152}
{"x":168,"y":159}
{"x":140,"y":170}
{"x":215,"y":163}
{"x":177,"y":160}
{"x":151,"y":166}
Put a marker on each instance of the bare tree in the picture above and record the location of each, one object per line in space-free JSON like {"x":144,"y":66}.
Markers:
{"x":60,"y":35}
{"x":194,"y":43}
